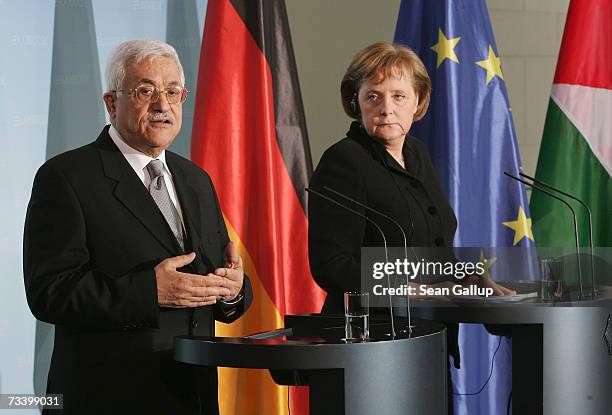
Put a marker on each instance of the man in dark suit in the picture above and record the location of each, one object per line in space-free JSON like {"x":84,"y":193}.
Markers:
{"x":125,"y":247}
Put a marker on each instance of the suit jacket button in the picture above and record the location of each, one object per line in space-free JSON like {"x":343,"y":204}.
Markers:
{"x":194,"y":324}
{"x":432,"y":210}
{"x":439,"y":241}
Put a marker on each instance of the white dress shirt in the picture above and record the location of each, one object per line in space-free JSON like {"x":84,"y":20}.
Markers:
{"x":139,"y":162}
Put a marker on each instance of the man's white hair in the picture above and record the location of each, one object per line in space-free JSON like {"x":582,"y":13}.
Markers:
{"x":134,"y":51}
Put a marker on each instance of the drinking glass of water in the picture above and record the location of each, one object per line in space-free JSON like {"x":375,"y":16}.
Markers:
{"x":551,"y":272}
{"x":356,"y":316}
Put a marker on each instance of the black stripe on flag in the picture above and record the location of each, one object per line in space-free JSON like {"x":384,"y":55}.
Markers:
{"x":267,"y":22}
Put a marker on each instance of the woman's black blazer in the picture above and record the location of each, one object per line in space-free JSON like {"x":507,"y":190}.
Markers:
{"x":361,"y":168}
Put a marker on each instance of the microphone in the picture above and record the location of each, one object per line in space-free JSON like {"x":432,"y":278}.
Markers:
{"x":540,"y":189}
{"x":329,"y":199}
{"x":396,"y":223}
{"x":541,"y":183}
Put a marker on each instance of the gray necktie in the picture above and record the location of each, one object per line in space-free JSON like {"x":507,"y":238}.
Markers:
{"x":160,"y":194}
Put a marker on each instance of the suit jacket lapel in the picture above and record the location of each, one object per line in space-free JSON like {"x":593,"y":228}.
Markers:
{"x":130,"y":191}
{"x":191,"y":209}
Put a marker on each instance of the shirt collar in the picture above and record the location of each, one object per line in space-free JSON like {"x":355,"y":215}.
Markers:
{"x":413,"y":163}
{"x":135,"y":158}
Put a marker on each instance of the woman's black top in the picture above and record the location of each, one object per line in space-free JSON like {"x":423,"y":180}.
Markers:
{"x":361,"y":168}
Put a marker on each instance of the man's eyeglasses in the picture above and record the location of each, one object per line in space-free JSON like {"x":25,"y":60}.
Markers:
{"x":149,"y":94}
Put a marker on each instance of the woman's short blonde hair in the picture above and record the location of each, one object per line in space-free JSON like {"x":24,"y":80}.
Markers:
{"x":378,"y":62}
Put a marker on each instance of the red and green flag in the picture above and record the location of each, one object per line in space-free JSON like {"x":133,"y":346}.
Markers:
{"x":249,"y":134}
{"x":576,"y":150}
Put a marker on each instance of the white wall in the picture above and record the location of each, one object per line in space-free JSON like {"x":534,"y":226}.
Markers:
{"x":324,"y":47}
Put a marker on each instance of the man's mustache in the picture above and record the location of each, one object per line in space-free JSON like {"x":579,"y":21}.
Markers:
{"x":160,"y":116}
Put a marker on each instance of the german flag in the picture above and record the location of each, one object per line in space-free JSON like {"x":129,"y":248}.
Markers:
{"x":249,"y":134}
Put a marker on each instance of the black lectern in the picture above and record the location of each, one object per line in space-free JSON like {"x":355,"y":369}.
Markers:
{"x":562,"y":351}
{"x":404,"y":375}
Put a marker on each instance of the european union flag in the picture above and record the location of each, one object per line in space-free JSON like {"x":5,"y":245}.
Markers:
{"x":470,"y":134}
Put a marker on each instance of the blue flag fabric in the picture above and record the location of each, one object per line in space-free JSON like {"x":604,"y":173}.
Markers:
{"x":470,"y":134}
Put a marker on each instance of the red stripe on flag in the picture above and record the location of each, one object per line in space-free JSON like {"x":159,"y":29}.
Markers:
{"x":234,"y":140}
{"x":584,"y":57}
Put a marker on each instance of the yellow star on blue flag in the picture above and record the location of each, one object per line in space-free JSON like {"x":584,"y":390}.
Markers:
{"x":445,"y":48}
{"x":492,"y":65}
{"x":521,"y":227}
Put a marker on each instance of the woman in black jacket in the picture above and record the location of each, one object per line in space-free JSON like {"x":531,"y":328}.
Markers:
{"x":385,"y":89}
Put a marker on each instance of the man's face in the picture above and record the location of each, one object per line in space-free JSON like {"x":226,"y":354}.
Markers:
{"x":150,"y":127}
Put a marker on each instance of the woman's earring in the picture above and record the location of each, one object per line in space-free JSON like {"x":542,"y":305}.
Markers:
{"x":355,"y":106}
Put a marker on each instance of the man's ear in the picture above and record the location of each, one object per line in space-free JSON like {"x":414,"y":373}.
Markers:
{"x":109,"y":101}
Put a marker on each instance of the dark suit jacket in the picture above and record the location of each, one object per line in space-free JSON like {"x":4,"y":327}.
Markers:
{"x":92,"y":237}
{"x":361,"y":168}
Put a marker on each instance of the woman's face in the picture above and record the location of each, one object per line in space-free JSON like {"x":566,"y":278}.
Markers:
{"x":388,"y":108}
